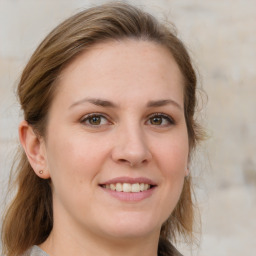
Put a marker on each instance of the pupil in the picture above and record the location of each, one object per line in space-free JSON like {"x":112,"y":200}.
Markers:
{"x":95,"y":120}
{"x":157,"y":120}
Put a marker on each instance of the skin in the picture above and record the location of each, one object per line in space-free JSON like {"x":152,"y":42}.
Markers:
{"x":125,"y":140}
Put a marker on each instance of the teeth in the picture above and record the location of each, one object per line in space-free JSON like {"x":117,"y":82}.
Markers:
{"x":127,"y":187}
{"x":119,"y":187}
{"x":136,"y":187}
{"x":112,"y":186}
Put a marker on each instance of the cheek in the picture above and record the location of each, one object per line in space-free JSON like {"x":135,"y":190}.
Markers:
{"x":172,"y":155}
{"x":77,"y":158}
{"x":172,"y":159}
{"x":73,"y":166}
{"x":173,"y":165}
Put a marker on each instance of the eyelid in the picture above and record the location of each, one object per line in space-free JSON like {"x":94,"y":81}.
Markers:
{"x":109,"y":122}
{"x":163,"y":115}
{"x":90,"y":115}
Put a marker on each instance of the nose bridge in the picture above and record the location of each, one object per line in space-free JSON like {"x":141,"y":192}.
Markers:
{"x":134,"y":138}
{"x":131,"y":145}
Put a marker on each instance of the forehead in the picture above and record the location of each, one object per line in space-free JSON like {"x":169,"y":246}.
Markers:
{"x":124,"y":51}
{"x":119,"y":66}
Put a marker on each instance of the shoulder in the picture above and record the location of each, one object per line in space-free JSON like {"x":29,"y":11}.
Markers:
{"x":35,"y":251}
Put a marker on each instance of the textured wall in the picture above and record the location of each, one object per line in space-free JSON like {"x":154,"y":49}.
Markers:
{"x":221,"y":36}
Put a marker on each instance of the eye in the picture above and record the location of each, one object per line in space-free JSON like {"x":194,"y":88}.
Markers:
{"x":95,"y":120}
{"x":160,"y":119}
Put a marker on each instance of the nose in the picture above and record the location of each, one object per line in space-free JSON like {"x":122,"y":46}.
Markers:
{"x":131,"y":148}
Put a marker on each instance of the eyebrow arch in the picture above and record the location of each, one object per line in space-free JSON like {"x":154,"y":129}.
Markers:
{"x":95,"y":101}
{"x":106,"y":103}
{"x":160,"y":103}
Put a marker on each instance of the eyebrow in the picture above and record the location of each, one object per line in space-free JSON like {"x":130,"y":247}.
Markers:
{"x":160,"y":103}
{"x":95,"y":101}
{"x":107,"y":103}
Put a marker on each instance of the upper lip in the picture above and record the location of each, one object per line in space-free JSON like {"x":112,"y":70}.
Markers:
{"x":129,"y":180}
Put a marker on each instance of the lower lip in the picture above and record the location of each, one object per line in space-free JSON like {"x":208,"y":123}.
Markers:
{"x":130,"y":196}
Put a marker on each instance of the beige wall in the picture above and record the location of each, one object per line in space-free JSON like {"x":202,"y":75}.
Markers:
{"x":221,"y":36}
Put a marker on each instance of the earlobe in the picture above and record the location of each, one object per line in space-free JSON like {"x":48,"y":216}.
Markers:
{"x":34,"y":148}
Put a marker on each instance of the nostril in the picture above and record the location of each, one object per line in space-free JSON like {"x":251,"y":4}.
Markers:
{"x":132,"y":163}
{"x":123,"y":161}
{"x":126,"y":162}
{"x":131,"y":155}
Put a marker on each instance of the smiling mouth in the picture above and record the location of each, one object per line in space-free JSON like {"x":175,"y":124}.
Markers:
{"x":128,"y":187}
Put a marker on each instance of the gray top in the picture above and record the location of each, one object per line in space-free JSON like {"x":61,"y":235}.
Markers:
{"x":35,"y":251}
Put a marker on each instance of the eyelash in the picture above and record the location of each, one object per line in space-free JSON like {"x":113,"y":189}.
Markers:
{"x":162,"y":116}
{"x":92,"y":115}
{"x":149,"y":119}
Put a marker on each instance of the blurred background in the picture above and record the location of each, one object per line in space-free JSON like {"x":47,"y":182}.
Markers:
{"x":221,"y":38}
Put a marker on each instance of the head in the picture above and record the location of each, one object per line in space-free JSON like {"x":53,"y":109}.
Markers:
{"x":41,"y":84}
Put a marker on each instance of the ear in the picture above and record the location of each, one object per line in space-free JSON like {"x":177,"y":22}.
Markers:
{"x":34,"y":147}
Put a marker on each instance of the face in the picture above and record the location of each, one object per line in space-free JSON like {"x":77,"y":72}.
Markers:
{"x":117,"y":145}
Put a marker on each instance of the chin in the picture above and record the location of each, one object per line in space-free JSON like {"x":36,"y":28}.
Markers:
{"x":127,"y":228}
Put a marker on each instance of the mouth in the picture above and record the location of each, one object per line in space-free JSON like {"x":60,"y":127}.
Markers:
{"x":128,"y":187}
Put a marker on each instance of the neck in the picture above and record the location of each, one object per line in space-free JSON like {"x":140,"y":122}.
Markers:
{"x":70,"y":242}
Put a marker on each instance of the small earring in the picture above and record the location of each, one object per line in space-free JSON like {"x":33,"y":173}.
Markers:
{"x":41,"y":172}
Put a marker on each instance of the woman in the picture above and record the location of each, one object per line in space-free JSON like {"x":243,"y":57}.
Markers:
{"x":108,"y":131}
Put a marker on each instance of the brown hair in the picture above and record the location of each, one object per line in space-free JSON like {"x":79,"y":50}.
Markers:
{"x":28,"y":220}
